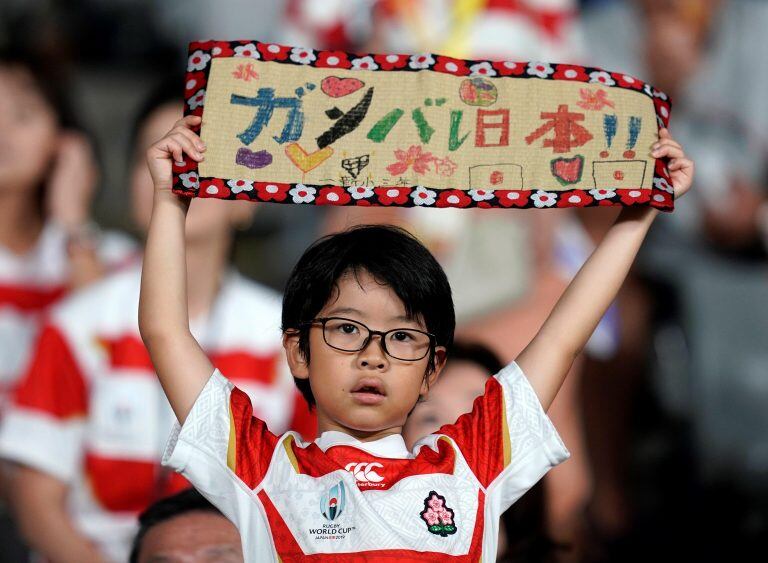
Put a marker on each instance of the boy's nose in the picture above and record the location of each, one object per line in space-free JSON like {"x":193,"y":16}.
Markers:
{"x":373,"y":354}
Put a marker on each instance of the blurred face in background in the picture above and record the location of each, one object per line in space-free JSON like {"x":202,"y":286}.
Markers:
{"x":29,"y":131}
{"x":193,"y":537}
{"x":207,"y":219}
{"x":460,"y":383}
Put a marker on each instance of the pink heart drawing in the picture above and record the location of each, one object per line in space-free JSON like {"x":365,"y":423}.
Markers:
{"x":337,"y":87}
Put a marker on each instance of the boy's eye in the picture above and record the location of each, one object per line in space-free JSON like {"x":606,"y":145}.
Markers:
{"x":348,"y":328}
{"x":402,"y":336}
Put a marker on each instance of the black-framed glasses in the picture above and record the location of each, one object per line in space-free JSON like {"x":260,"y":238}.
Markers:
{"x":347,"y":335}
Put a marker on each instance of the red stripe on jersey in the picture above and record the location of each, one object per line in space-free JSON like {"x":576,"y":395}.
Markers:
{"x":122,"y":485}
{"x":128,"y":352}
{"x":289,"y":550}
{"x":53,"y":382}
{"x":480,"y":434}
{"x":30,"y":300}
{"x":372,"y":472}
{"x":251,"y":442}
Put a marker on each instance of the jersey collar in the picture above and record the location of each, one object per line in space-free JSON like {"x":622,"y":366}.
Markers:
{"x":392,"y":446}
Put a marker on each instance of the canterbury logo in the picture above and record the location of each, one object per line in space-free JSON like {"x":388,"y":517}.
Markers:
{"x":365,"y":472}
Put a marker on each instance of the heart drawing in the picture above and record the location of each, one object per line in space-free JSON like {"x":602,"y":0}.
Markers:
{"x":336,"y":87}
{"x":567,"y":170}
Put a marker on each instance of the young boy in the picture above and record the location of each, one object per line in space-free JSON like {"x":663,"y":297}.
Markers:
{"x":88,"y":422}
{"x":368,"y":322}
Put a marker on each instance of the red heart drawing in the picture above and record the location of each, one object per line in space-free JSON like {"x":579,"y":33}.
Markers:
{"x":337,"y":87}
{"x":567,"y":170}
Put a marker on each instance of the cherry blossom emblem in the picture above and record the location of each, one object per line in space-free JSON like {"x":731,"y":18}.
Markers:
{"x":437,"y":516}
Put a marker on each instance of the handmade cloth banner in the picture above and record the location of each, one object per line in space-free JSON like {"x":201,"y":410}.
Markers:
{"x":296,"y":125}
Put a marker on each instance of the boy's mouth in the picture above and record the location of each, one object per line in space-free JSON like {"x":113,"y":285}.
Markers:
{"x":369,"y":391}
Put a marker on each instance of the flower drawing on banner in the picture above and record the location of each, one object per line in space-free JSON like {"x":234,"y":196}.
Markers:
{"x":543,"y":199}
{"x":481,"y":195}
{"x":190,"y":179}
{"x":575,"y":198}
{"x":414,"y":157}
{"x":482,"y":69}
{"x":438,"y":517}
{"x":302,"y":55}
{"x":333,"y":59}
{"x":364,"y":63}
{"x":512,"y":198}
{"x":542,"y":70}
{"x":392,"y":195}
{"x":662,"y":184}
{"x":197,"y":100}
{"x":388,"y":62}
{"x":601,"y":77}
{"x":273,"y":51}
{"x":238,"y":186}
{"x":197,"y":61}
{"x":303,"y":194}
{"x":507,"y":68}
{"x":272,"y":192}
{"x":453,"y":198}
{"x":423,"y":196}
{"x":602,"y":193}
{"x":445,"y":166}
{"x":247,"y":50}
{"x":421,"y":61}
{"x":571,"y":72}
{"x":360,"y":192}
{"x":333,"y":195}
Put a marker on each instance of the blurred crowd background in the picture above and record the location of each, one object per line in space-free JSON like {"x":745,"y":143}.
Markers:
{"x":666,"y":411}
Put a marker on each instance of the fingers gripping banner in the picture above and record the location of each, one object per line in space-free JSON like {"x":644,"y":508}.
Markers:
{"x":295,"y":125}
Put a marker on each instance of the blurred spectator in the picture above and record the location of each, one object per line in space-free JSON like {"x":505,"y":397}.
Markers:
{"x":523,"y":535}
{"x":185,"y":528}
{"x":89,"y":419}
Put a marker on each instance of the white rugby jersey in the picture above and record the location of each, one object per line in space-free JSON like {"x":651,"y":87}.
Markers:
{"x":32,"y":281}
{"x":90,"y":410}
{"x":339,"y":499}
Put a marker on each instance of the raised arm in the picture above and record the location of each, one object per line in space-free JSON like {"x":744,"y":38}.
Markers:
{"x":548,"y":357}
{"x":181,"y":365}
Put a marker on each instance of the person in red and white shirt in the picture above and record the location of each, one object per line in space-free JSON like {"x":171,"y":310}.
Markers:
{"x":368,"y":323}
{"x":89,"y":418}
{"x":48,"y":175}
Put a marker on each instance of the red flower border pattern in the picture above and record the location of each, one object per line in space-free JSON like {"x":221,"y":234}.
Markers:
{"x":186,"y":181}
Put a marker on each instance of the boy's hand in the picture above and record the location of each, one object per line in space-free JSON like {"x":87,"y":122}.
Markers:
{"x":179,"y":140}
{"x":680,"y":167}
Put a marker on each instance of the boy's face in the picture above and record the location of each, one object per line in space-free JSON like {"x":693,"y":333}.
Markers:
{"x":366,"y":393}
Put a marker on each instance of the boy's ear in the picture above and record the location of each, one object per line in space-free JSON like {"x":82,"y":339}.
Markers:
{"x":297,"y":363}
{"x":439,"y":363}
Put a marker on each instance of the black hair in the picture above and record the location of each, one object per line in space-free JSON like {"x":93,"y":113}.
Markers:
{"x":166,"y":92}
{"x":393,"y":257}
{"x":188,"y":500}
{"x":478,"y":354}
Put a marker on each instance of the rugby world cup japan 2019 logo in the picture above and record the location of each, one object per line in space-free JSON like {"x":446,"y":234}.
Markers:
{"x":333,"y":501}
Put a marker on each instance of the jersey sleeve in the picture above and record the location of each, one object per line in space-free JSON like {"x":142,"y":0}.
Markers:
{"x":507,"y":440}
{"x":222,"y":449}
{"x":44,"y":425}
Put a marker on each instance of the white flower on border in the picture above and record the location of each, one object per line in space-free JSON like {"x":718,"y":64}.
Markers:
{"x":423,"y":196}
{"x":481,"y":195}
{"x":511,"y":65}
{"x":601,"y":77}
{"x":421,"y":61}
{"x":364,"y":63}
{"x":648,"y":89}
{"x":302,"y":55}
{"x":543,"y":199}
{"x":602,"y":193}
{"x":360,"y":192}
{"x":542,"y":70}
{"x":575,"y":199}
{"x":190,"y":179}
{"x":247,"y":50}
{"x":482,"y":69}
{"x":662,"y":184}
{"x":302,"y":194}
{"x":238,"y":186}
{"x":198,"y":61}
{"x":198,"y":99}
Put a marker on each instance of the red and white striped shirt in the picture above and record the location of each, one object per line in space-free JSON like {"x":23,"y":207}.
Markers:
{"x":90,"y":411}
{"x":31,"y":282}
{"x":339,"y":499}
